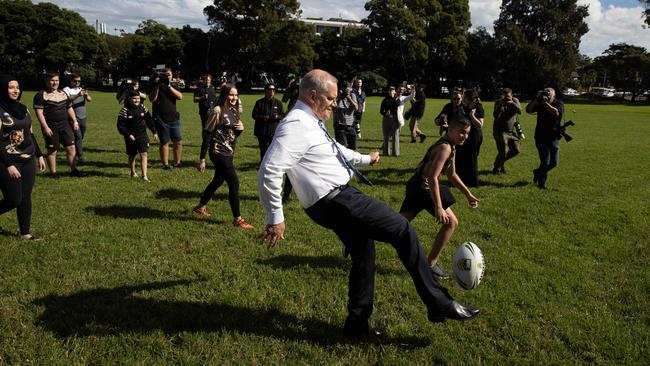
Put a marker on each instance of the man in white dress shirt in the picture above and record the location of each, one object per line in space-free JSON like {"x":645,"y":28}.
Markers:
{"x":320,"y":172}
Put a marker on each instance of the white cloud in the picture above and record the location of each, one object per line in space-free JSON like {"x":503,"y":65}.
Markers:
{"x":484,"y":13}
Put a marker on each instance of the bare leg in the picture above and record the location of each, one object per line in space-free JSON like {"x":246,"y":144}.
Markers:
{"x":132,"y":164}
{"x":443,"y":236}
{"x":178,"y":151}
{"x":164,"y":154}
{"x":144,"y":159}
{"x":71,"y":153}
{"x":51,"y":161}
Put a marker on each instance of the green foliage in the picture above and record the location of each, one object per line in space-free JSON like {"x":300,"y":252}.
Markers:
{"x":37,"y":37}
{"x":127,"y":275}
{"x":483,"y":62}
{"x":539,"y":41}
{"x":627,"y":67}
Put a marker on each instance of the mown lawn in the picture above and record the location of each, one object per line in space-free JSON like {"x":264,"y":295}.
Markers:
{"x":126,"y":275}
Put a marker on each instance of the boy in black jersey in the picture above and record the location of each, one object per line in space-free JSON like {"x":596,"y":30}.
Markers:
{"x":424,"y":192}
{"x":132,"y":123}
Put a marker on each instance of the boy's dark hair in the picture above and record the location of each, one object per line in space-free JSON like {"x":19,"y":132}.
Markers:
{"x":457,"y":120}
{"x":132,"y":93}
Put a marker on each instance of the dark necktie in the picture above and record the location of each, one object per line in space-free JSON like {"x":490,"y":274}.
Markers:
{"x":341,"y":157}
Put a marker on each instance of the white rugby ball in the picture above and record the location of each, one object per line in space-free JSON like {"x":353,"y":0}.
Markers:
{"x":468,"y":265}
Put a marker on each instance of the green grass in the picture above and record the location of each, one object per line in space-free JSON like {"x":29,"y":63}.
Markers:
{"x":126,"y":275}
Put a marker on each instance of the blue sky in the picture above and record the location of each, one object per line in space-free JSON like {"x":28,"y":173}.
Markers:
{"x":610,"y":21}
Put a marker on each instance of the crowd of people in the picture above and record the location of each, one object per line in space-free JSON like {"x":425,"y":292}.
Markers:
{"x":297,"y":153}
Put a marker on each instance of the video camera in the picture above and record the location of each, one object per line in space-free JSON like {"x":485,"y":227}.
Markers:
{"x":561,"y":130}
{"x":543,"y":96}
{"x":160,"y":78}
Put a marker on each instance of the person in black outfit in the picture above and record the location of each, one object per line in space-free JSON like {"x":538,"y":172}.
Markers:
{"x":223,"y":127}
{"x":450,"y":109}
{"x":267,"y":112}
{"x":467,"y":153}
{"x":417,"y":112}
{"x":132,"y":123}
{"x":163,"y":95}
{"x":206,"y":97}
{"x":390,"y":125}
{"x":17,"y":150}
{"x":549,"y":114}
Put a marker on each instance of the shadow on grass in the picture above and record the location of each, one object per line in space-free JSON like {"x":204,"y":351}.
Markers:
{"x":98,"y":150}
{"x":122,"y":310}
{"x":103,"y":164}
{"x":521,"y":183}
{"x":173,"y":193}
{"x":141,"y":212}
{"x":292,"y":261}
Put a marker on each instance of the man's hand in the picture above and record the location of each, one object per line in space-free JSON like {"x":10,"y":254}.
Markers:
{"x":48,"y":131}
{"x":374,"y":157}
{"x":272,"y":234}
{"x":75,"y":126}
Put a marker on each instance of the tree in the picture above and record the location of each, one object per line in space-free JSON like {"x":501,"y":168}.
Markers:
{"x":483,"y":63}
{"x":627,"y":67}
{"x":647,"y":11}
{"x":253,"y":32}
{"x":343,"y":55}
{"x":538,"y":41}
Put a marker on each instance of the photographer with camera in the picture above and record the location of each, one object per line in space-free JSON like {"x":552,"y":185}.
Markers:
{"x":78,"y":96}
{"x":549,"y":114}
{"x":467,"y":153}
{"x":346,"y":105}
{"x":163,"y":96}
{"x":267,"y":112}
{"x":206,"y":97}
{"x":506,"y":129}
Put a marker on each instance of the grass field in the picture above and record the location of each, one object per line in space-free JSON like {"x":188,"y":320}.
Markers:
{"x":126,"y":275}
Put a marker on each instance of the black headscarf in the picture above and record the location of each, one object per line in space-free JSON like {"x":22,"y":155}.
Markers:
{"x":13,"y":107}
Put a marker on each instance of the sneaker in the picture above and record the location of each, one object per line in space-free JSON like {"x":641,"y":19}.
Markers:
{"x":438,"y":272}
{"x":134,"y":175}
{"x":30,"y":237}
{"x":496,"y":171}
{"x":422,"y":137}
{"x":177,"y":165}
{"x":55,"y":175}
{"x":146,"y":179}
{"x":412,"y":140}
{"x":201,"y":211}
{"x":76,"y":173}
{"x":240,"y":222}
{"x":167,"y":167}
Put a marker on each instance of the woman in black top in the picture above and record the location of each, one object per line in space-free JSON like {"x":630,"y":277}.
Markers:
{"x":467,"y":154}
{"x":17,"y":150}
{"x":450,"y":109}
{"x":221,"y":131}
{"x":417,"y":112}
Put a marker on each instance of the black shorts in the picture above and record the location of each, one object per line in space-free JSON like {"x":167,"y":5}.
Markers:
{"x":140,"y":145}
{"x":418,"y":199}
{"x":62,"y":134}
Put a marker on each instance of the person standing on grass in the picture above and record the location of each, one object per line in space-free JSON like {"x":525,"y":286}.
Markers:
{"x":205,"y":96}
{"x":449,"y":109}
{"x":163,"y":96}
{"x":416,"y":112}
{"x":389,"y":125}
{"x":267,"y":112}
{"x":402,"y":98}
{"x":424,"y":192}
{"x":320,"y":169}
{"x":222,"y":129}
{"x":17,"y":150}
{"x":78,"y":97}
{"x":467,"y":153}
{"x":58,"y":123}
{"x":549,"y":111}
{"x":506,"y":110}
{"x":358,"y":92}
{"x":132,"y":123}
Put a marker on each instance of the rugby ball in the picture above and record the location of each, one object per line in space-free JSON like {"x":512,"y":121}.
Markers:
{"x":468,"y":265}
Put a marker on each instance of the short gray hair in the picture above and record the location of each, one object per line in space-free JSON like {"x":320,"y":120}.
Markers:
{"x":316,"y":80}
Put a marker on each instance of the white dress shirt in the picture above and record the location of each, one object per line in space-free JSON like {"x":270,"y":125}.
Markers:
{"x":302,"y":150}
{"x":401,"y":101}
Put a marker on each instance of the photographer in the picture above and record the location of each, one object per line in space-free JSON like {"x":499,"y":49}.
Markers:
{"x":164,"y":95}
{"x":549,"y":114}
{"x":467,"y":153}
{"x":505,"y":130}
{"x":267,"y":112}
{"x":346,"y":105}
{"x":78,"y":96}
{"x":206,"y":97}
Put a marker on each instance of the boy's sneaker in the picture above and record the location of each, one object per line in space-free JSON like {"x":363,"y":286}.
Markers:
{"x":146,"y":179}
{"x":201,"y":211}
{"x":134,"y":175}
{"x":438,"y":272}
{"x":240,"y":222}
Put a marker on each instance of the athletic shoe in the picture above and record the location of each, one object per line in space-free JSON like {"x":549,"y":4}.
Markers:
{"x":240,"y":222}
{"x":177,"y":165}
{"x":201,"y":211}
{"x":30,"y":237}
{"x":77,"y":173}
{"x":422,"y":137}
{"x":55,"y":175}
{"x":167,"y":167}
{"x":134,"y":175}
{"x":146,"y":179}
{"x":436,"y":271}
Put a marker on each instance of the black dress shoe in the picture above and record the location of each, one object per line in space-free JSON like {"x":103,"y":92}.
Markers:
{"x":455,"y":311}
{"x":363,"y":333}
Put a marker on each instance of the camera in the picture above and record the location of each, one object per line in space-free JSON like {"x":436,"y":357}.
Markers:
{"x":519,"y":130}
{"x":162,"y":79}
{"x":543,"y":96}
{"x":561,"y":130}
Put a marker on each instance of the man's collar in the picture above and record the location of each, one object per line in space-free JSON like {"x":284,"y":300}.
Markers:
{"x":305,"y":108}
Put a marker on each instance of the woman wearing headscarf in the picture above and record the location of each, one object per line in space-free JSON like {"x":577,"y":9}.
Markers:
{"x":18,"y":148}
